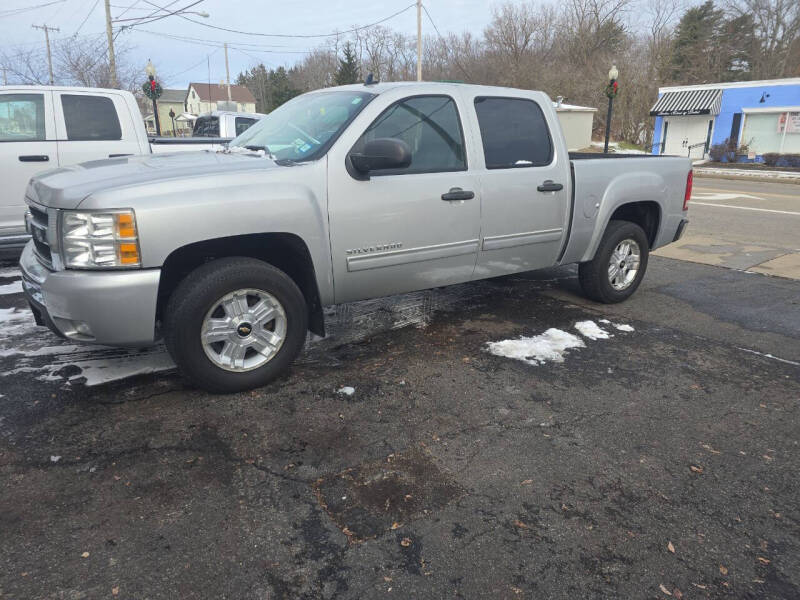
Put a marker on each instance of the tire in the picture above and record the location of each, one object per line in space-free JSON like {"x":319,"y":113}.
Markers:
{"x":596,"y":275}
{"x":245,"y":303}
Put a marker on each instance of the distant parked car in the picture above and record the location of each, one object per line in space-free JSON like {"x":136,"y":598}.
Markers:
{"x":45,"y":127}
{"x":224,"y":124}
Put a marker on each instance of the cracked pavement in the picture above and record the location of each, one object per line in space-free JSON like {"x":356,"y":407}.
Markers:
{"x":474,"y":476}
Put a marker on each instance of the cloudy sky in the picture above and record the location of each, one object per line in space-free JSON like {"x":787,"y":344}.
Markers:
{"x":182,"y":60}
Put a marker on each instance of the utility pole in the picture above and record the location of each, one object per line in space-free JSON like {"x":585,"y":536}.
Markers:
{"x":47,"y":31}
{"x":5,"y":76}
{"x":112,"y":61}
{"x":227,"y":72}
{"x":419,"y":40}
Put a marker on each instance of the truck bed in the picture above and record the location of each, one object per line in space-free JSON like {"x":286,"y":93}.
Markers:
{"x":588,"y":155}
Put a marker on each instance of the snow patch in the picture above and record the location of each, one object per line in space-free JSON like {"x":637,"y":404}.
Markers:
{"x":55,"y":459}
{"x":346,"y":390}
{"x":551,"y":345}
{"x":590,"y":330}
{"x":105,"y":370}
{"x":618,"y":326}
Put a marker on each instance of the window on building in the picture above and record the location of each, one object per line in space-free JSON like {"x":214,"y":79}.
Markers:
{"x":22,"y":117}
{"x":772,"y":132}
{"x":430,"y":126}
{"x":514,"y":133}
{"x":90,"y":118}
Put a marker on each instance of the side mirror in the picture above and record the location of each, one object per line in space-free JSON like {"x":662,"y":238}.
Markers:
{"x":382,"y":153}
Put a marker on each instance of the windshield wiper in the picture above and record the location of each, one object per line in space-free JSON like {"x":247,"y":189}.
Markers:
{"x":269,"y":154}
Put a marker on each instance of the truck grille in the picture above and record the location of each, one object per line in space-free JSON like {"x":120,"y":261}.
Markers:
{"x":39,"y":224}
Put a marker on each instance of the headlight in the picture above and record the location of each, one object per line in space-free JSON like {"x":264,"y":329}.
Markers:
{"x":99,"y":239}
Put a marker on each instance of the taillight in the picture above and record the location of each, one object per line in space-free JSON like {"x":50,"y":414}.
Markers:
{"x":688,"y":193}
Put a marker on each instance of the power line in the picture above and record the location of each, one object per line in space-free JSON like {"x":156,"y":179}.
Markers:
{"x":205,"y":58}
{"x":86,"y":18}
{"x":18,"y":11}
{"x":221,"y":44}
{"x":144,"y":20}
{"x":441,"y":37}
{"x":289,"y":35}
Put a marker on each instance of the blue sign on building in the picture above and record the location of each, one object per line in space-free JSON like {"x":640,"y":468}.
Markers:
{"x":757,"y":117}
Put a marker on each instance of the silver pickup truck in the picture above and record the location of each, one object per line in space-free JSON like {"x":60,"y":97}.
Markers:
{"x":341,"y":194}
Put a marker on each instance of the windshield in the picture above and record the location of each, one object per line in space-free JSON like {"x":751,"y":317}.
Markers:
{"x":305,"y":127}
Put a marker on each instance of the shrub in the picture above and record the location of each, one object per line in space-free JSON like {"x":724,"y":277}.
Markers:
{"x":724,"y":152}
{"x":771,"y":158}
{"x":792,"y":160}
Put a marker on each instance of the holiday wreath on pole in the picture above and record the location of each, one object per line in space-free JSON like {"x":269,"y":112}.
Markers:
{"x":152,"y":89}
{"x":611,"y":89}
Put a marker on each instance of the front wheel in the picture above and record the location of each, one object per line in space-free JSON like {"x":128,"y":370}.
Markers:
{"x":234,"y":324}
{"x":618,"y":265}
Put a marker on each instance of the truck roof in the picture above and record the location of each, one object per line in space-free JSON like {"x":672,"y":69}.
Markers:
{"x":379,"y":88}
{"x":62,"y":88}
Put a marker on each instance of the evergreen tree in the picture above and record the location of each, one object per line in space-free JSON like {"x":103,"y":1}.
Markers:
{"x":694,"y":53}
{"x":348,"y":70}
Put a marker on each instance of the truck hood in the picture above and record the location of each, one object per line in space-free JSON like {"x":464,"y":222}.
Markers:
{"x":67,"y":187}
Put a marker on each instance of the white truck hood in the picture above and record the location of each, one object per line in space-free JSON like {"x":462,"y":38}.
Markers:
{"x":67,"y":187}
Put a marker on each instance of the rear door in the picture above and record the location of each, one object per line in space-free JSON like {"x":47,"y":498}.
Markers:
{"x":406,"y":229}
{"x":525,"y":185}
{"x":27,"y":146}
{"x":92,"y":126}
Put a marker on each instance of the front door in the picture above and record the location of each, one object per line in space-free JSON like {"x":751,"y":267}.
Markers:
{"x":525,"y":183}
{"x":27,"y":147}
{"x":675,"y":141}
{"x":687,"y":136}
{"x":399,"y":230}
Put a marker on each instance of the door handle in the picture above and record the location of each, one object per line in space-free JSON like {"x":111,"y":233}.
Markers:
{"x":34,"y":158}
{"x":550,"y":186}
{"x":457,"y":193}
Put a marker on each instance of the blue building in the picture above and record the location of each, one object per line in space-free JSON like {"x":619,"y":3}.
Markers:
{"x":762,"y":115}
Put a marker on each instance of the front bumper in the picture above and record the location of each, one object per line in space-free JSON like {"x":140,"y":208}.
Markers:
{"x":115,"y":308}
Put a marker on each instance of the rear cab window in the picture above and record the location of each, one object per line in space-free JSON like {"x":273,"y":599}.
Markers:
{"x":206,"y":127}
{"x":514,"y":133}
{"x":22,"y":118}
{"x":242,"y":124}
{"x":430,"y":125}
{"x":90,"y":118}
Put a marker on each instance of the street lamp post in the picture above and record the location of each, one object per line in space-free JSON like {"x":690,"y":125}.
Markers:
{"x":172,"y":116}
{"x":611,"y":92}
{"x":152,"y":89}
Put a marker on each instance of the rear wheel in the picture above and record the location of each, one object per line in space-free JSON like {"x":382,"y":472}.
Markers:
{"x":235,"y":324}
{"x":619,"y":264}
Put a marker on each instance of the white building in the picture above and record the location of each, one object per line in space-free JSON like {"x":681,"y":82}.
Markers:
{"x":204,"y":97}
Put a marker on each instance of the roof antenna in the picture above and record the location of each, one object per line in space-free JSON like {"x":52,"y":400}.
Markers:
{"x":370,"y":80}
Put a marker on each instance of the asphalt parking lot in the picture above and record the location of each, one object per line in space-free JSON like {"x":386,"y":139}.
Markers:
{"x":656,"y":457}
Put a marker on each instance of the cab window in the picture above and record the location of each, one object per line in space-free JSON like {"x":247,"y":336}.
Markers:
{"x":90,"y":118}
{"x":22,"y":118}
{"x":430,"y":125}
{"x":242,"y":124}
{"x":514,"y":133}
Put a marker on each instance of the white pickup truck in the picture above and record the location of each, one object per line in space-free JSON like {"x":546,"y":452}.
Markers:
{"x":45,"y":127}
{"x":340,"y":194}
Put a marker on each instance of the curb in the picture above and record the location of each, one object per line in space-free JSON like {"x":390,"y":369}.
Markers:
{"x":754,"y":178}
